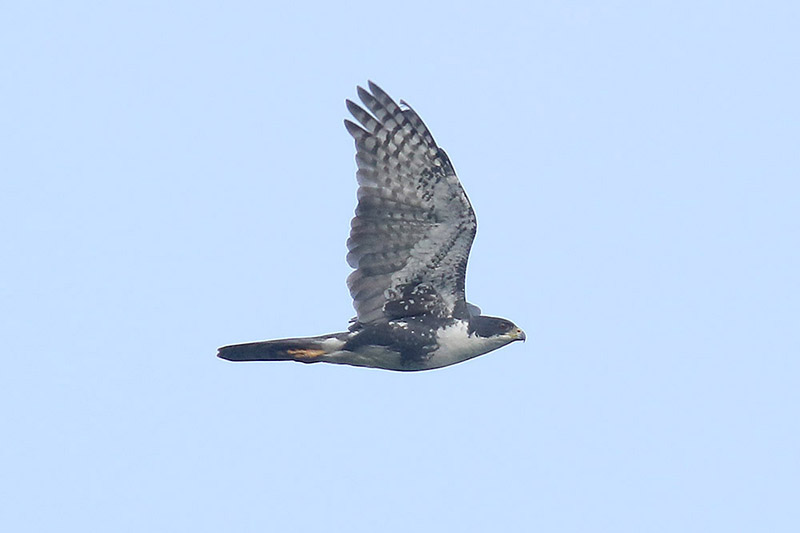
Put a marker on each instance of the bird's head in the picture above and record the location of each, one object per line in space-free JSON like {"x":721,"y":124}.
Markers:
{"x":494,"y":327}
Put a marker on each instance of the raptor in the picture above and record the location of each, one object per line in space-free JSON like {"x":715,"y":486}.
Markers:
{"x":409,"y":244}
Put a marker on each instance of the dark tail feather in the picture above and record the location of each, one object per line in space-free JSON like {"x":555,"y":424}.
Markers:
{"x":306,"y":350}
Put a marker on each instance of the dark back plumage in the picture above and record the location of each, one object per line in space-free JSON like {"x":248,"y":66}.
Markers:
{"x":414,"y":225}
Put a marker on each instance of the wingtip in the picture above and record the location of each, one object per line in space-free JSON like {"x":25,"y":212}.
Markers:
{"x":364,"y":94}
{"x":354,"y":129}
{"x":379,"y":93}
{"x":353,"y":107}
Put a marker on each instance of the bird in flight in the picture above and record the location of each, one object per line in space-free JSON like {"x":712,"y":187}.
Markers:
{"x":409,"y":244}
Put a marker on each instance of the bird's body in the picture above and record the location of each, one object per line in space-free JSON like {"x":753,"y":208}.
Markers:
{"x":409,"y":244}
{"x":404,"y":345}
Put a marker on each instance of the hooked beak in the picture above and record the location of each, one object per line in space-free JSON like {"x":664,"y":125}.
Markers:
{"x":518,"y":335}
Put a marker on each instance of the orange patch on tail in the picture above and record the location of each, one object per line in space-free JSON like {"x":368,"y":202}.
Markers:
{"x":301,"y":353}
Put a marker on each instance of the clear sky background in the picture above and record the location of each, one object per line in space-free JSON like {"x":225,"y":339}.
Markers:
{"x":175,"y":176}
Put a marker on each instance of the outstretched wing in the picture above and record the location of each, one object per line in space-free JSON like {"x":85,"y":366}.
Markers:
{"x":414,"y":226}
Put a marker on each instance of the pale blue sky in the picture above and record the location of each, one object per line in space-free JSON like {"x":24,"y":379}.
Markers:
{"x":176,"y":176}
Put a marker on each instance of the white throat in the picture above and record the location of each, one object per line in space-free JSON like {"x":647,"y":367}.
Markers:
{"x":456,"y":344}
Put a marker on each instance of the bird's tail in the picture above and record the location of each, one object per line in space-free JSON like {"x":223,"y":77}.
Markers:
{"x":305,"y":350}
